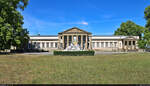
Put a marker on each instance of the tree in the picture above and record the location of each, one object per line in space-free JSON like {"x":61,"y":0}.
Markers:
{"x":5,"y":35}
{"x":147,"y":17}
{"x":12,"y":32}
{"x":129,"y":28}
{"x":146,"y":37}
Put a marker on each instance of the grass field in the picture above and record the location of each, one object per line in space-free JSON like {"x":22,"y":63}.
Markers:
{"x":100,"y":69}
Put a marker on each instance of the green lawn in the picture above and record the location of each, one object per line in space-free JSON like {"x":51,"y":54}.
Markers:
{"x":100,"y":69}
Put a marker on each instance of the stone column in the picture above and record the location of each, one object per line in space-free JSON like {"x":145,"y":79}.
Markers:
{"x":124,"y":45}
{"x":136,"y":44}
{"x":95,"y":44}
{"x":90,"y":42}
{"x":63,"y":42}
{"x":81,"y":41}
{"x":86,"y":42}
{"x":54,"y":45}
{"x":67,"y":40}
{"x":59,"y":42}
{"x":99,"y":44}
{"x":127,"y":45}
{"x":108,"y":44}
{"x":132,"y":45}
{"x":77,"y":39}
{"x":72,"y":38}
{"x":40,"y":45}
{"x":104,"y":44}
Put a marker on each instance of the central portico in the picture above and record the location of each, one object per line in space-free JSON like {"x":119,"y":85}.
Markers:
{"x":75,"y":36}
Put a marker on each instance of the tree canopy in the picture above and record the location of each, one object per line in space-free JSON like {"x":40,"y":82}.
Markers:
{"x":129,"y":28}
{"x":146,"y":38}
{"x":12,"y":32}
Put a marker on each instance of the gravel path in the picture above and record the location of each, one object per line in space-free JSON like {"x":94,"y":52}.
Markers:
{"x":108,"y":53}
{"x":96,"y":53}
{"x":40,"y":53}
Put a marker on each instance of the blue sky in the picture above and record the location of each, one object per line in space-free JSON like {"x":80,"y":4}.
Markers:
{"x":101,"y":17}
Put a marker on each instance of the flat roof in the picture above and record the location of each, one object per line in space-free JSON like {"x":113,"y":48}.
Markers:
{"x":43,"y":35}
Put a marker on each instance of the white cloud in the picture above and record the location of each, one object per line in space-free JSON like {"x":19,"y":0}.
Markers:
{"x":38,"y":23}
{"x":84,"y":23}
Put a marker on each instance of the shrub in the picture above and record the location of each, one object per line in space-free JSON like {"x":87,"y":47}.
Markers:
{"x":74,"y":53}
{"x":27,"y":50}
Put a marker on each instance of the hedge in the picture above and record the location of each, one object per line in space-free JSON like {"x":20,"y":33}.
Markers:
{"x":74,"y":53}
{"x":27,"y":50}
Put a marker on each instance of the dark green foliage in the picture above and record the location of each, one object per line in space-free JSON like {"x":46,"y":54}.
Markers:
{"x":142,"y":44}
{"x":74,"y":53}
{"x":129,"y":28}
{"x":146,"y":37}
{"x":27,"y":50}
{"x":12,"y":32}
{"x":147,"y":17}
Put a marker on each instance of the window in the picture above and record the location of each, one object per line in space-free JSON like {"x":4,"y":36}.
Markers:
{"x":97,"y":44}
{"x":38,"y":44}
{"x":47,"y":45}
{"x":51,"y":44}
{"x":133,"y":42}
{"x":111,"y":44}
{"x":43,"y":45}
{"x":34,"y":45}
{"x":125,"y":42}
{"x":93,"y":44}
{"x":115,"y":44}
{"x":102,"y":44}
{"x":129,"y":42}
{"x":106,"y":44}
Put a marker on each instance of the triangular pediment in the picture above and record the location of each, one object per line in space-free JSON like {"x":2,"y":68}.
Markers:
{"x":75,"y":30}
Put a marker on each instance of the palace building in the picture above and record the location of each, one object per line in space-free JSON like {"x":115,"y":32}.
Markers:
{"x":85,"y":40}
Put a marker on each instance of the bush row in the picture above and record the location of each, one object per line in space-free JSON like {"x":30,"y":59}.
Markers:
{"x":27,"y":50}
{"x":74,"y":53}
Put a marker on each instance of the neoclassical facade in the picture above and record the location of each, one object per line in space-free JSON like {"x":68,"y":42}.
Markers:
{"x":81,"y":37}
{"x":85,"y":40}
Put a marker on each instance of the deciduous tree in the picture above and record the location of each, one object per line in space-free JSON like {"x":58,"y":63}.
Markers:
{"x":11,"y":24}
{"x":146,"y":37}
{"x":129,"y":28}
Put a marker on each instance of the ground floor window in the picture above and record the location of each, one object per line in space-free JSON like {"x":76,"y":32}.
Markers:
{"x":47,"y":45}
{"x":38,"y":44}
{"x":56,"y":45}
{"x":97,"y":44}
{"x":125,"y":42}
{"x":115,"y":44}
{"x":93,"y":44}
{"x":106,"y":44}
{"x":102,"y":44}
{"x":133,"y":42}
{"x":51,"y":44}
{"x":111,"y":44}
{"x":43,"y":45}
{"x":129,"y":42}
